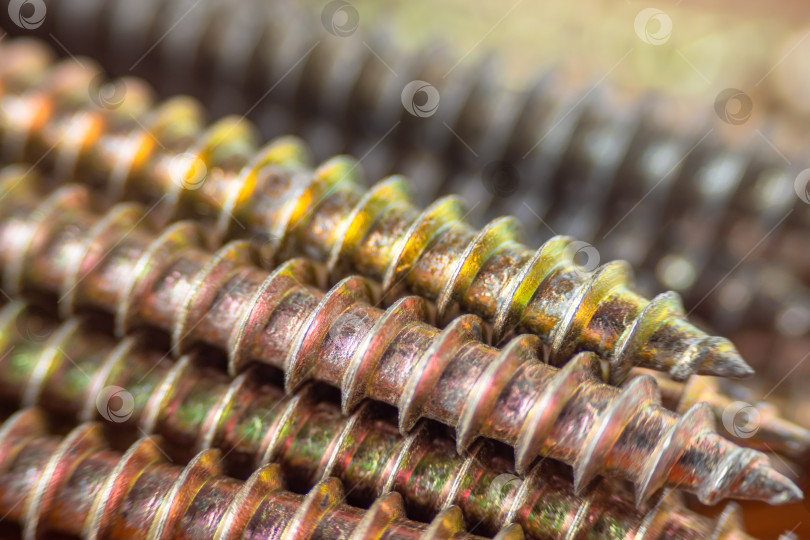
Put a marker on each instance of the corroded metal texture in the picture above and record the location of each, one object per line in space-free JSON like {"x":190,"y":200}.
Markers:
{"x":75,"y":485}
{"x":65,"y":368}
{"x":114,"y":263}
{"x":62,"y":368}
{"x":768,"y":432}
{"x":579,"y":158}
{"x":169,"y":158}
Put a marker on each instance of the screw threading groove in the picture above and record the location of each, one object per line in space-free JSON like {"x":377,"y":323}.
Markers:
{"x":772,"y":433}
{"x":252,"y":423}
{"x":112,"y":263}
{"x":75,"y":485}
{"x":168,"y":157}
{"x":607,"y":155}
{"x":229,"y":55}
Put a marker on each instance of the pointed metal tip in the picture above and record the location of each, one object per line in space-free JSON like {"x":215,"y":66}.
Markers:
{"x":770,"y":486}
{"x":723,"y":360}
{"x":787,"y":492}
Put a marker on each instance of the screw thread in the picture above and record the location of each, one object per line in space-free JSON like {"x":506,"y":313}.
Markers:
{"x":229,"y":55}
{"x":113,"y":263}
{"x":232,"y":53}
{"x":253,"y":424}
{"x":78,"y":486}
{"x":771,"y":432}
{"x":378,"y":233}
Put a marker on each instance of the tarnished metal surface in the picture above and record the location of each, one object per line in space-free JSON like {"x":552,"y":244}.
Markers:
{"x":170,"y":159}
{"x":114,"y":263}
{"x":252,"y":423}
{"x":582,"y":160}
{"x":77,"y":486}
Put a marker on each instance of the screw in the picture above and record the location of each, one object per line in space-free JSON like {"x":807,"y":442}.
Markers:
{"x":111,"y":263}
{"x":324,"y":214}
{"x":230,"y":54}
{"x":75,"y":485}
{"x":772,"y":433}
{"x":252,"y":423}
{"x":682,"y":176}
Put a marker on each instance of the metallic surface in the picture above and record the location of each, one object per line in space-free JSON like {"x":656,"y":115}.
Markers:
{"x":170,"y":159}
{"x":772,"y":433}
{"x":77,"y":486}
{"x":597,"y":154}
{"x":194,"y":408}
{"x":114,"y":263}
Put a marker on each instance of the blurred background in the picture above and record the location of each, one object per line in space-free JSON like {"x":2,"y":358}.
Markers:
{"x":672,"y":135}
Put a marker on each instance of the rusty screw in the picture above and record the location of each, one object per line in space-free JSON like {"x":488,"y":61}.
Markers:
{"x":57,"y":245}
{"x":78,"y":486}
{"x":168,"y":157}
{"x":66,"y":368}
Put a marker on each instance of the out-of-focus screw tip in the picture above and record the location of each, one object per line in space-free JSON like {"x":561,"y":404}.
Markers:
{"x":727,"y":363}
{"x":782,"y":489}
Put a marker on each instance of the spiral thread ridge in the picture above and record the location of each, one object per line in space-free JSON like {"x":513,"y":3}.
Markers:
{"x":586,"y":142}
{"x":307,"y":437}
{"x":197,"y":498}
{"x":217,"y":171}
{"x":57,"y":246}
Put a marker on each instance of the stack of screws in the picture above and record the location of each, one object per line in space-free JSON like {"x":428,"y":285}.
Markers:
{"x":75,"y":485}
{"x":252,"y":424}
{"x":270,"y":192}
{"x":520,"y":393}
{"x":606,"y":157}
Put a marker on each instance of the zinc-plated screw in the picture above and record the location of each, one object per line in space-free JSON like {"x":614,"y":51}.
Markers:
{"x":324,"y":214}
{"x":75,"y":485}
{"x":579,"y":150}
{"x":63,"y":367}
{"x":772,"y":433}
{"x":57,"y":245}
{"x":599,"y":156}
